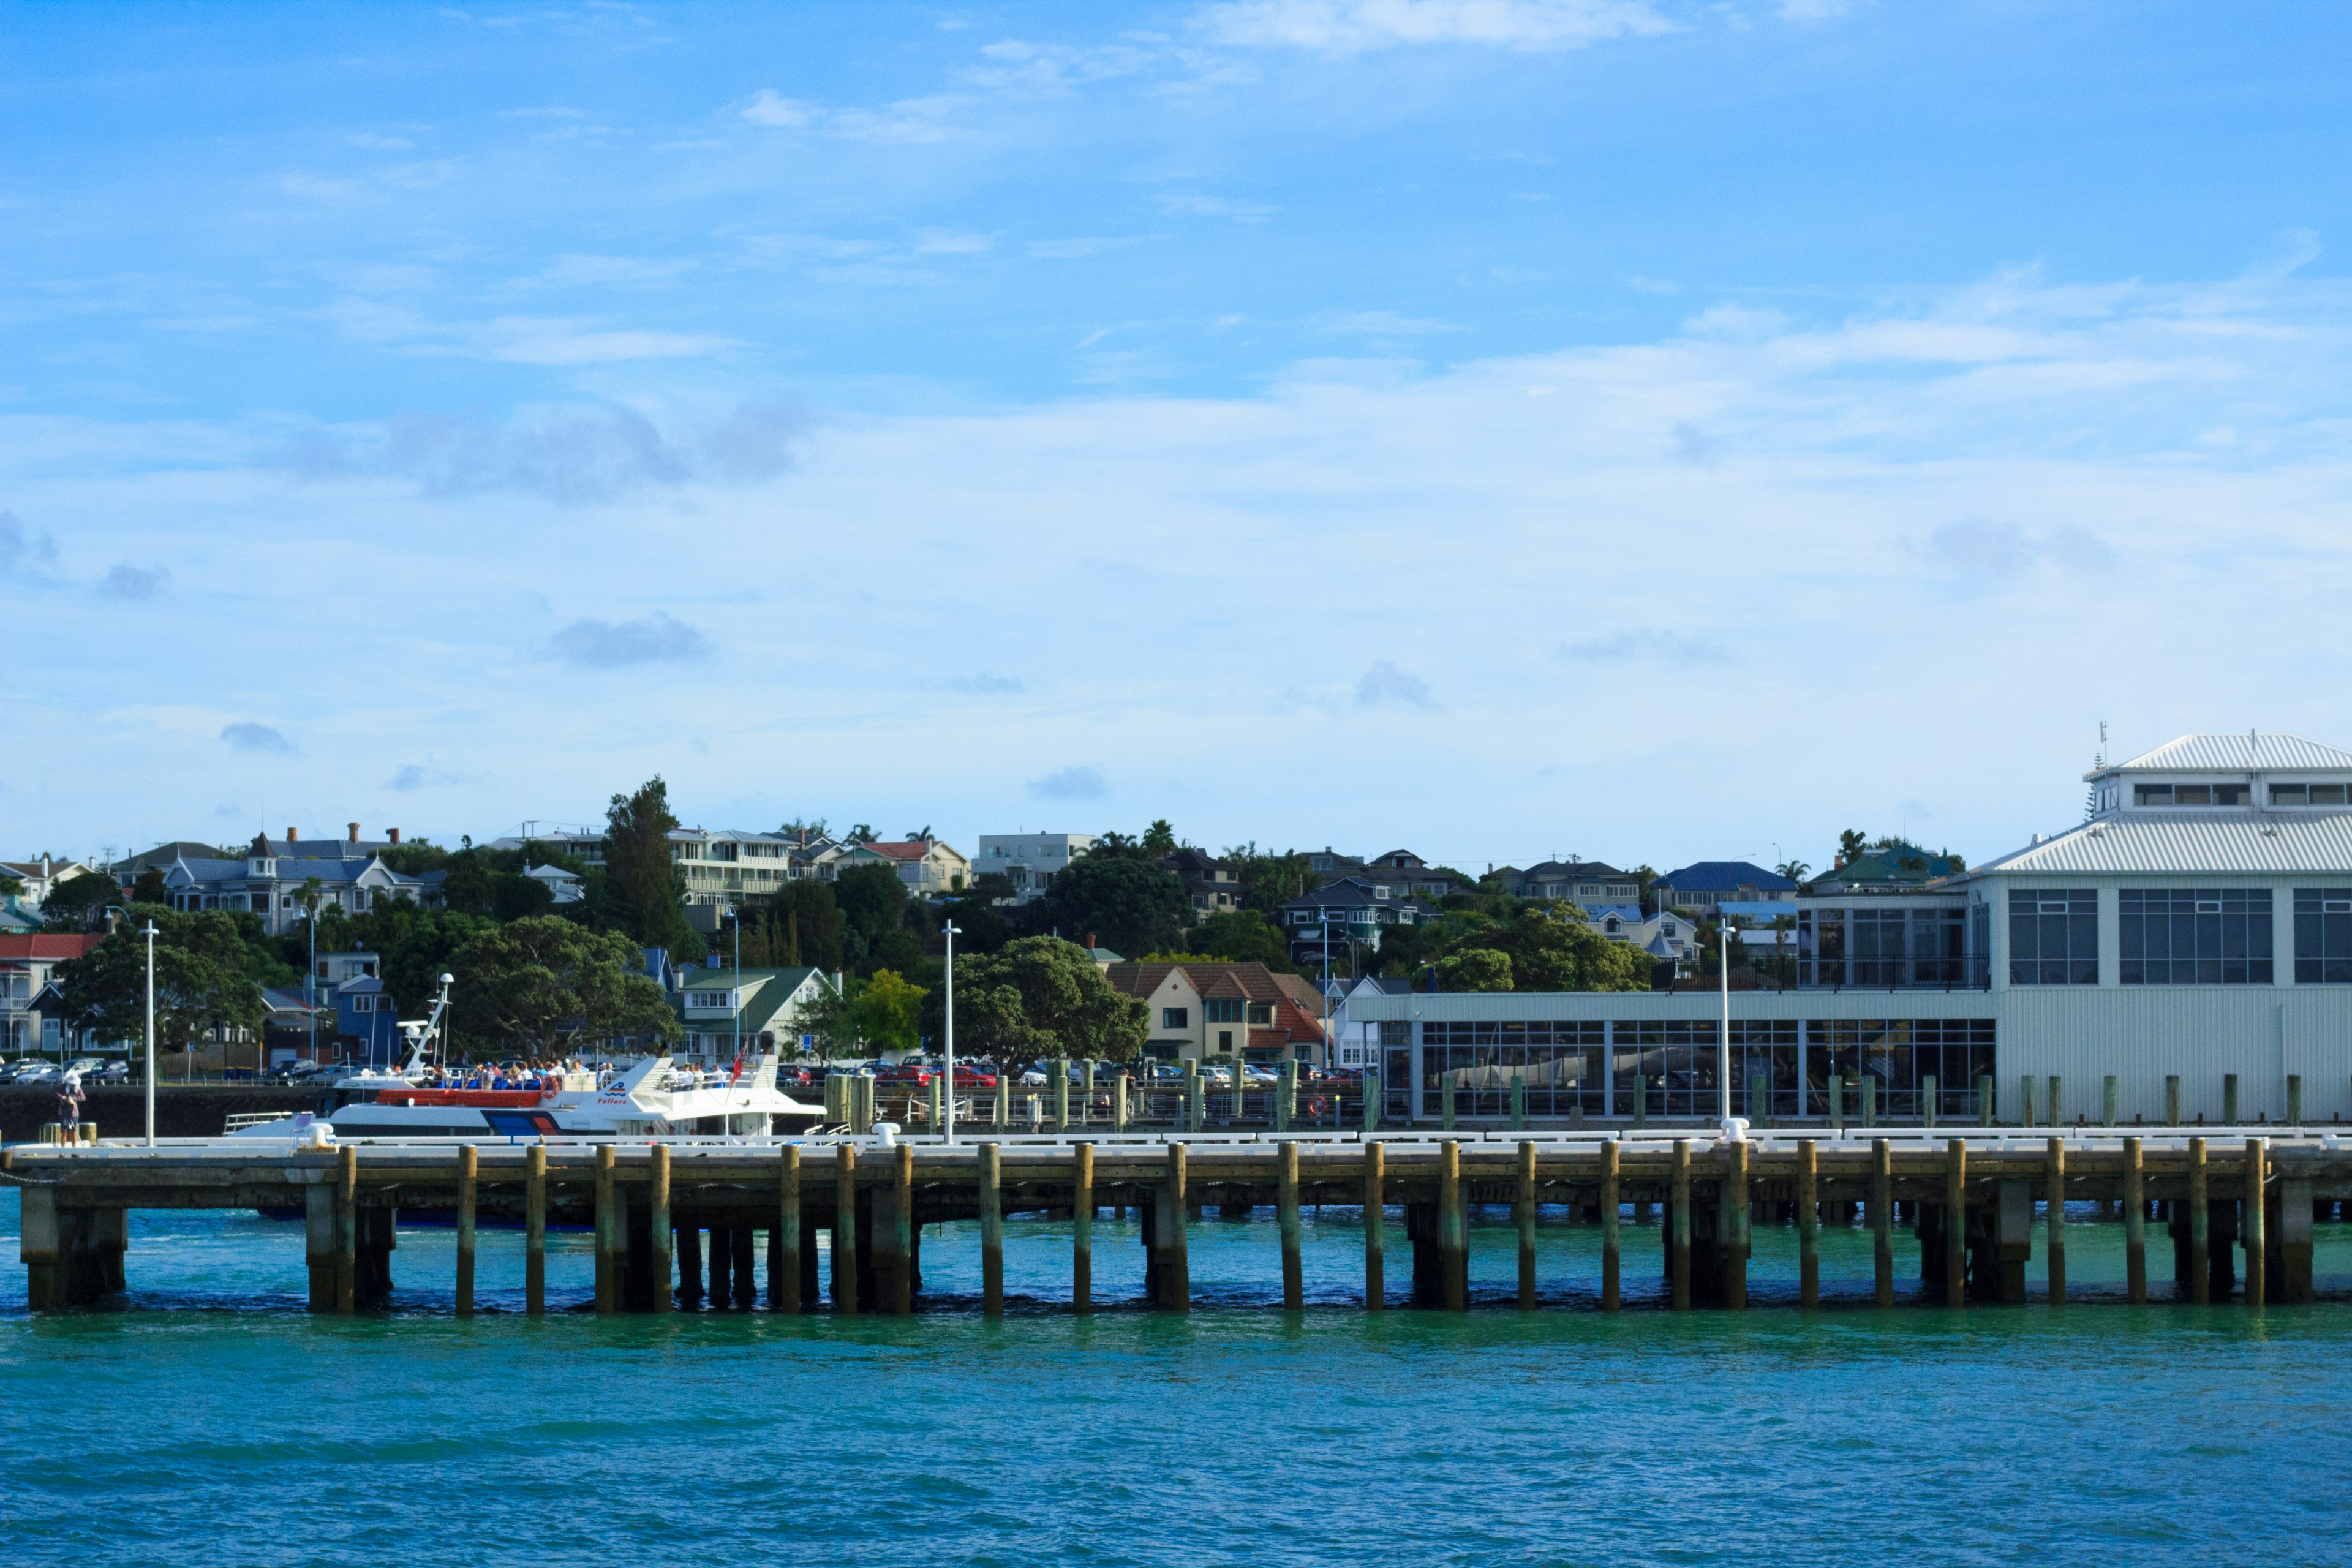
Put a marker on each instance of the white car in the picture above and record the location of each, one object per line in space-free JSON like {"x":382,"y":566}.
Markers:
{"x":86,"y":1067}
{"x":36,"y":1072}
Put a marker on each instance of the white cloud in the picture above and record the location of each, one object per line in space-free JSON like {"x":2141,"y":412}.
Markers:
{"x":1347,"y":27}
{"x":1386,"y":686}
{"x":770,"y":107}
{"x":1070,"y":783}
{"x":657,"y":638}
{"x":907,"y":121}
{"x":525,"y":340}
{"x":124,"y":581}
{"x":1643,"y":647}
{"x":1189,"y":204}
{"x":249,"y":736}
{"x":1975,"y":547}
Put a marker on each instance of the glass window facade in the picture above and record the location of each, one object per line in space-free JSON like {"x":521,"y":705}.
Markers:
{"x":1900,"y":1054}
{"x":1886,"y":948}
{"x":2194,"y":936}
{"x":2053,"y":937}
{"x":2322,"y":936}
{"x":1561,"y":1064}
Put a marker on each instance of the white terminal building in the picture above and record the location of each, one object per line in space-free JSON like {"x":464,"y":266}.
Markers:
{"x":2198,"y":927}
{"x":1028,"y":860}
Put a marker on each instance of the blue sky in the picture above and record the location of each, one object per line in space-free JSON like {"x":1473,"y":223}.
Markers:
{"x":1503,"y":428}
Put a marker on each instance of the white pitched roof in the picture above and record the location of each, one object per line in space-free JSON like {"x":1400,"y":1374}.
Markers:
{"x":2234,"y":753}
{"x":2136,"y":843}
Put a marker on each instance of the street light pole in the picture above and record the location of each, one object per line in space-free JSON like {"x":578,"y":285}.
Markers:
{"x":150,"y":934}
{"x":1723,"y":1064}
{"x":946,"y":1100}
{"x":735,"y":982}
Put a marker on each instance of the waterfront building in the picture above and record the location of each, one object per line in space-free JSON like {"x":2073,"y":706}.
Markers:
{"x":1593,"y":885}
{"x":1216,"y":1008}
{"x":760,"y":1007}
{"x":1352,"y":910}
{"x":2192,"y":938}
{"x":1028,"y":860}
{"x":278,"y":879}
{"x":1699,"y":887}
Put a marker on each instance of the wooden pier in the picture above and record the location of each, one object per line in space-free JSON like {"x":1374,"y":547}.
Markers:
{"x":679,"y":1223}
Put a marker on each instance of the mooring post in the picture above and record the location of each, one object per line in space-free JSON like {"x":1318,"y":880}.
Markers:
{"x":347,"y":1230}
{"x":1447,"y":1093}
{"x":1882,"y":1219}
{"x":608,"y":1286}
{"x":2229,"y":1099}
{"x":1082,"y":1229}
{"x":2026,"y":1100}
{"x":658,"y":1230}
{"x":1118,"y":1102}
{"x":1375,"y":1216}
{"x":1956,"y":1220}
{"x":1523,"y":1210}
{"x":1987,"y":1102}
{"x":319,"y":1244}
{"x":2295,"y":1100}
{"x":1679,"y":1259}
{"x":1640,"y":1099}
{"x":1285,"y":1094}
{"x":2107,"y":1100}
{"x":1611,"y":1259}
{"x":1837,"y":1104}
{"x":1732,"y":1224}
{"x":1928,"y":1100}
{"x":2172,"y":1099}
{"x":1061,"y":1094}
{"x":1175,"y":1220}
{"x":1868,"y":1090}
{"x":2200,"y":1291}
{"x":1294,"y":1280}
{"x":1518,"y":1101}
{"x":1003,"y":1121}
{"x":468,"y":1172}
{"x":992,"y":1230}
{"x":534,"y":1230}
{"x":1452,"y":1235}
{"x":1809,"y":1224}
{"x":2055,"y":1104}
{"x":2053,"y":1181}
{"x":845,"y":1228}
{"x":2253,"y":1232}
{"x":2134,"y":1224}
{"x":784,"y":1280}
{"x":902,"y":1232}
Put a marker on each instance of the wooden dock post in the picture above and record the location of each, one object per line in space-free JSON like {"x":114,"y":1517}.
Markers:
{"x":347,"y":1230}
{"x":1372,"y":1100}
{"x":2055,"y":1104}
{"x":2053,"y":1183}
{"x":468,"y":1180}
{"x":1285,"y":1093}
{"x":938,"y":1106}
{"x":1928,"y":1100}
{"x":2201,"y":1290}
{"x":1882,"y":1219}
{"x":1294,"y":1279}
{"x":1446,"y":1101}
{"x":784,"y":1241}
{"x":1956,"y":1220}
{"x":1452,"y":1234}
{"x":1118,"y":1102}
{"x":2229,"y":1099}
{"x":1004,"y":1116}
{"x":1375,"y":1222}
{"x":659,"y":1232}
{"x":1082,"y":1228}
{"x":1518,"y":1102}
{"x":1061,"y":1094}
{"x":689,"y":1265}
{"x":901,"y":1287}
{"x":1869,"y":1099}
{"x":1731,"y":1226}
{"x":1679,"y":1255}
{"x":2293,"y":1241}
{"x":2254,"y":1231}
{"x":1611,"y":1257}
{"x":2134,"y":1224}
{"x":1641,"y":1099}
{"x":1523,"y":1210}
{"x":1987,"y":1102}
{"x":318,"y":1231}
{"x":2107,"y":1100}
{"x":1809,"y":1224}
{"x":1837,"y":1103}
{"x":2295,"y":1100}
{"x":608,"y":1239}
{"x":1175,"y":1245}
{"x":992,"y":1230}
{"x":2172,"y":1099}
{"x":845,"y":1228}
{"x":534,"y":1230}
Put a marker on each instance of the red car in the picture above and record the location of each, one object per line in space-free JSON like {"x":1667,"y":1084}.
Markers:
{"x":914,"y":1075}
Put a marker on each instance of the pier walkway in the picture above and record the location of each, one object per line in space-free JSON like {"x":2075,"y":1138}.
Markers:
{"x":680,"y":1220}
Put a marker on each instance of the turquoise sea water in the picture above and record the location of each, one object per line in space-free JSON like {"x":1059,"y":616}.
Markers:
{"x":209,"y":1420}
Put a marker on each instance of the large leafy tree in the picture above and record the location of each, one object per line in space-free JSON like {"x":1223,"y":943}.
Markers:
{"x":890,"y":1013}
{"x":544,"y":985}
{"x":1041,"y":996}
{"x":873,"y":903}
{"x":78,"y":903}
{"x":1545,"y":947}
{"x":1240,"y":936}
{"x":1269,"y":880}
{"x":201,"y":981}
{"x":642,"y":888}
{"x":1117,"y":897}
{"x":416,"y":946}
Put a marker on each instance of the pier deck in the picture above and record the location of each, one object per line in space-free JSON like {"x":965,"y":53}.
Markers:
{"x":1968,"y":1198}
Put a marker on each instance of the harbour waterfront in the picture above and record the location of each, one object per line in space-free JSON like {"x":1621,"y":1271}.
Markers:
{"x":1238,"y":1433}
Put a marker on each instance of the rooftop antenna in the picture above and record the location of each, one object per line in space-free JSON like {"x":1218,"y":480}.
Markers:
{"x":2099,"y":765}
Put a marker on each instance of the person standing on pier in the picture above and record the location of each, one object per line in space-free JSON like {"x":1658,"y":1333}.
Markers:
{"x":70,"y":1102}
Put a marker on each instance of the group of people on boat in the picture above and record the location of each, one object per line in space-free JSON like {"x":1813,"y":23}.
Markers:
{"x":540,"y":1076}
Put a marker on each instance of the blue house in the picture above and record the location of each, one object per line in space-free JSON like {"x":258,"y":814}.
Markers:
{"x":1700,"y":887}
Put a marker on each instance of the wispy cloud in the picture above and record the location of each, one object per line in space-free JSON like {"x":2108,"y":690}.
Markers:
{"x":1991,"y":550}
{"x":1070,"y":783}
{"x":23,"y":549}
{"x":1349,"y":27}
{"x":987,"y":685}
{"x":127,"y":582}
{"x":907,"y":121}
{"x":1386,"y":686}
{"x":249,"y":736}
{"x":1193,"y":204}
{"x":1643,"y":647}
{"x":657,"y":638}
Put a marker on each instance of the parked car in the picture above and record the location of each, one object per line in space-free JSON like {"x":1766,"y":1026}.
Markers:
{"x":974,"y":1078}
{"x":85,"y":1067}
{"x":906,"y":1074}
{"x":113,"y":1072}
{"x":35,"y":1072}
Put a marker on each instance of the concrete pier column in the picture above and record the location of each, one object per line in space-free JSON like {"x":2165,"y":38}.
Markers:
{"x":689,"y":1264}
{"x":1611,"y":1253}
{"x":534,"y":1204}
{"x":347,"y":1196}
{"x":844,"y":1227}
{"x":41,"y":1244}
{"x":2291,"y":1242}
{"x":2011,"y":1234}
{"x":318,"y":1242}
{"x":1082,"y":1223}
{"x":785,"y":1270}
{"x":1375,"y":1225}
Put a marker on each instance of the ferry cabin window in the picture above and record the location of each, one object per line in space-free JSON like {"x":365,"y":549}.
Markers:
{"x":2322,"y":936}
{"x":2307,"y":795}
{"x":2053,"y":937}
{"x":2195,"y":936}
{"x":2188,"y":794}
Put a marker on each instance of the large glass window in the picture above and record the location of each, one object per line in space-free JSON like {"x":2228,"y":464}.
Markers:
{"x":1884,"y":947}
{"x":1222,"y":1010}
{"x":1677,"y":1058}
{"x":1559,"y":1063}
{"x":1900,"y":1054}
{"x":2307,"y":795}
{"x":2053,"y":937}
{"x":2188,"y":794}
{"x":2195,"y":936}
{"x":2322,"y":936}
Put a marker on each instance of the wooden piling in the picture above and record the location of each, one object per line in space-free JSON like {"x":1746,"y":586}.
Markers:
{"x":2134,"y":1224}
{"x":2053,"y":1183}
{"x":992,"y":1231}
{"x":1119,"y":1103}
{"x":902,"y":1233}
{"x":2229,"y":1099}
{"x":1956,"y":1221}
{"x":659,"y":1232}
{"x":1680,"y":1257}
{"x":1453,"y":1236}
{"x":1732,"y":1224}
{"x":1294,"y":1280}
{"x":2200,"y":1286}
{"x":689,"y":1265}
{"x":534,"y":1230}
{"x":1175,"y":1258}
{"x":1523,"y":1210}
{"x":1612,"y":1258}
{"x":1082,"y":1230}
{"x":2295,"y":1100}
{"x":608,"y":1285}
{"x":2254,"y":1231}
{"x":1375,"y":1216}
{"x":2107,"y":1100}
{"x":469,"y":1174}
{"x":1882,"y":1220}
{"x":1061,"y":1094}
{"x":318,"y":1245}
{"x":2172,"y":1099}
{"x":784,"y":1241}
{"x":844,"y":1229}
{"x":1808,"y":1225}
{"x":347,"y":1230}
{"x":1837,"y":1103}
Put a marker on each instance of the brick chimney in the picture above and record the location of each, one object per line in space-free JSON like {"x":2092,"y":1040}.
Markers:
{"x":392,"y":834}
{"x":291,"y":835}
{"x":355,"y":832}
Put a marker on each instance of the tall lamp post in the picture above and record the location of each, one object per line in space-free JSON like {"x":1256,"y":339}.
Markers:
{"x":1723,"y":1064}
{"x":947,"y":1004}
{"x":735,"y":982}
{"x":150,"y":934}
